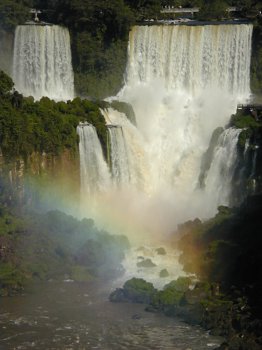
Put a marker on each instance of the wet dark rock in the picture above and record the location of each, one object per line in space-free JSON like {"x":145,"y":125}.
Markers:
{"x":135,"y":290}
{"x":136,"y":317}
{"x":161,"y":251}
{"x":145,"y":251}
{"x":242,"y":341}
{"x":223,"y":346}
{"x":163,"y":273}
{"x":146,"y":263}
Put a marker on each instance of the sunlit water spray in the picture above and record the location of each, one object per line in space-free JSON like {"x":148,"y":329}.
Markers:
{"x":183,"y":82}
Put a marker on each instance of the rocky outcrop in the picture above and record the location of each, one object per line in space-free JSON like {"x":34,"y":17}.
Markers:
{"x":135,"y":290}
{"x":147,"y":263}
{"x":203,"y":304}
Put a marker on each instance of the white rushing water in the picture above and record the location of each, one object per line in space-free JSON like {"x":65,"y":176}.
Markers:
{"x":95,"y":177}
{"x":219,"y":177}
{"x":191,"y":58}
{"x":42,"y":62}
{"x":182,"y":82}
{"x":118,"y":156}
{"x":137,"y":258}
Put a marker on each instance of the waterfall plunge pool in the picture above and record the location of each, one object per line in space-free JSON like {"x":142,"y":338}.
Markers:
{"x":68,"y":315}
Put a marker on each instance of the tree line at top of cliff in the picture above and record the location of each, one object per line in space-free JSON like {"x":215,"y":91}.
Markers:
{"x":99,"y":33}
{"x":112,"y":17}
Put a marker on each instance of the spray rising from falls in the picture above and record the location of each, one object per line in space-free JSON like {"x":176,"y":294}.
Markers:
{"x":42,"y":62}
{"x":182,"y":82}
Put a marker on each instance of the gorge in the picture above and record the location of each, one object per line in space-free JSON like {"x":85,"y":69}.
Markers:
{"x":178,"y":158}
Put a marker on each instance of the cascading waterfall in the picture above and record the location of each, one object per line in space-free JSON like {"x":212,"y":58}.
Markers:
{"x":183,"y":82}
{"x":95,"y":177}
{"x":128,"y":159}
{"x":42,"y":62}
{"x":191,"y":57}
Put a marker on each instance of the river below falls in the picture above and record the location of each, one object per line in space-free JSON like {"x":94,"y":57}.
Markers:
{"x":70,"y":315}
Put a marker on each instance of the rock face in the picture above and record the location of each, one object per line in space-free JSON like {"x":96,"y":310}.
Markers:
{"x":146,"y":263}
{"x":161,"y":251}
{"x":39,"y":176}
{"x":163,"y":273}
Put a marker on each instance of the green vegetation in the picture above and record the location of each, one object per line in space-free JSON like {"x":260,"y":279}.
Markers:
{"x":13,"y":12}
{"x":28,"y":126}
{"x":213,"y":10}
{"x":163,"y":273}
{"x":168,"y":299}
{"x":256,"y":58}
{"x":250,"y":120}
{"x":218,"y":249}
{"x":54,"y":246}
{"x":135,"y":290}
{"x":244,"y":119}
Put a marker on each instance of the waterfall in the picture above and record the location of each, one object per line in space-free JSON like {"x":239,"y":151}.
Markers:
{"x":127,"y":151}
{"x":94,"y":172}
{"x":42,"y":62}
{"x":220,"y":174}
{"x":118,"y":156}
{"x":191,"y":57}
{"x":183,"y":82}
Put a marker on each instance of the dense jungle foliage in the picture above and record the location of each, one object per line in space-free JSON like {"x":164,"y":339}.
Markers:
{"x":99,"y":33}
{"x":41,"y":247}
{"x":28,"y":126}
{"x":224,"y":249}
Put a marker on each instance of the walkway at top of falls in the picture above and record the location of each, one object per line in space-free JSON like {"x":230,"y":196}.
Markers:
{"x":172,"y":9}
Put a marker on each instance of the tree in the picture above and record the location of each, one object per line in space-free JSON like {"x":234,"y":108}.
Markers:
{"x":213,"y":9}
{"x":6,"y":83}
{"x":13,"y":12}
